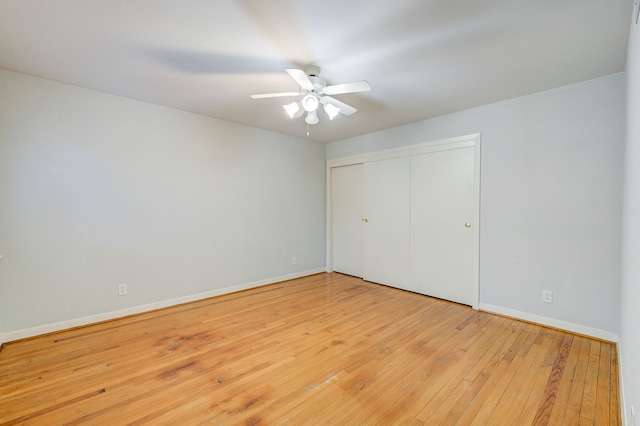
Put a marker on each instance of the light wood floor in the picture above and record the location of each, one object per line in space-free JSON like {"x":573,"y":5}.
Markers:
{"x":326,"y":349}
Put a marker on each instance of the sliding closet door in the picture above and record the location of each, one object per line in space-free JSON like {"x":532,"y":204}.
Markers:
{"x":386,"y":227}
{"x":442,"y":237}
{"x":347,"y":219}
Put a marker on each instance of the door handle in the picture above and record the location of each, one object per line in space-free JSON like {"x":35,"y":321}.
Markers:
{"x":468,"y":225}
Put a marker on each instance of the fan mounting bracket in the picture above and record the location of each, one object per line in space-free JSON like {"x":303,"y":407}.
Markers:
{"x":312,"y":71}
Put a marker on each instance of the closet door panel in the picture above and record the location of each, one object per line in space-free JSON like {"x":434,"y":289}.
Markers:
{"x":442,"y":209}
{"x":386,"y":230}
{"x":347,"y":218}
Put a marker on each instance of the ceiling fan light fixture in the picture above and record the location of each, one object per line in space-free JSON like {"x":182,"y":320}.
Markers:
{"x":314,"y":91}
{"x":312,"y":117}
{"x":310,"y":103}
{"x":331,"y":110}
{"x":291,"y":109}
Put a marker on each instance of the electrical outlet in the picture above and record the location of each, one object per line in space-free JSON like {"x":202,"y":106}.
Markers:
{"x":294,"y":261}
{"x":547,"y":296}
{"x":122,"y":289}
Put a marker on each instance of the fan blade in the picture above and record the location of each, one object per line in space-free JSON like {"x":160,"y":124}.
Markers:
{"x":301,"y":78}
{"x":275,"y":95}
{"x":358,"y":86}
{"x":344,"y":108}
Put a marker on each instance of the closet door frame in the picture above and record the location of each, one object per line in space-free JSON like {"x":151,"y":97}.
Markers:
{"x":473,"y":140}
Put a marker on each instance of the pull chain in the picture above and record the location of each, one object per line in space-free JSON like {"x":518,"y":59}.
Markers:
{"x":307,"y":129}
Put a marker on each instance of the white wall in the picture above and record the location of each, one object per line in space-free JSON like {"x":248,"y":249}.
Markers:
{"x":551,"y":183}
{"x":98,"y":190}
{"x":630,"y":300}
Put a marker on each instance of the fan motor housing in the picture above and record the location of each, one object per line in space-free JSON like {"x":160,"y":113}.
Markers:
{"x":312,"y":71}
{"x":318,"y":83}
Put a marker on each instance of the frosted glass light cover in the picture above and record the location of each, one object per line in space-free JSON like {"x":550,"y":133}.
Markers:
{"x":291,"y":109}
{"x":331,"y":110}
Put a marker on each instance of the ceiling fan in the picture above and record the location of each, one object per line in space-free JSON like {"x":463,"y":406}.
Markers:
{"x":315,"y":92}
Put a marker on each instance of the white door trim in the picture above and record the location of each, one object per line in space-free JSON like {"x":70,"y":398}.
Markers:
{"x":422,"y":148}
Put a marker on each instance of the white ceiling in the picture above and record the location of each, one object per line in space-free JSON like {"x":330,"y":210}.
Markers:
{"x":423,"y":58}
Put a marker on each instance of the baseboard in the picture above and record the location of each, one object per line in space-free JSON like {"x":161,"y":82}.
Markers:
{"x":79,"y":322}
{"x":551,"y":322}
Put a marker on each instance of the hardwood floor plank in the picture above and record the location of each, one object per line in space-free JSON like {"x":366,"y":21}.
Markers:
{"x":485,"y":383}
{"x":588,"y":407}
{"x":511,"y":362}
{"x":551,"y":390}
{"x":614,"y":401}
{"x":434,"y":368}
{"x":572,"y":413}
{"x":521,"y":388}
{"x":603,"y":386}
{"x":395,"y":354}
{"x":325,"y":349}
{"x":539,"y":383}
{"x":448,"y":404}
{"x":561,"y":409}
